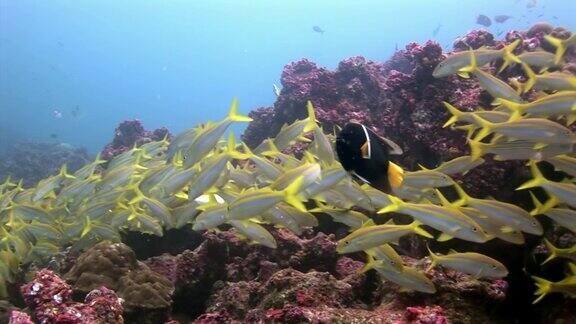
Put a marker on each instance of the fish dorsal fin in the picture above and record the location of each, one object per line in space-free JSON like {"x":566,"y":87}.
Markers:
{"x":393,"y":148}
{"x":367,"y":223}
{"x":390,"y":222}
{"x":452,"y":251}
{"x":444,"y":237}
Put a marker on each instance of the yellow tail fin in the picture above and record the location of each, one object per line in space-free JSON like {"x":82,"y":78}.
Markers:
{"x":487,"y":127}
{"x":543,"y":288}
{"x":233,"y":114}
{"x":231,"y":149}
{"x":311,"y":124}
{"x":531,"y":78}
{"x":552,"y":250}
{"x":433,"y":258}
{"x":560,"y":47}
{"x":476,"y":149}
{"x":508,"y":56}
{"x":291,"y":194}
{"x":537,"y":178}
{"x":394,"y":206}
{"x":456,"y":114}
{"x":415,"y":225}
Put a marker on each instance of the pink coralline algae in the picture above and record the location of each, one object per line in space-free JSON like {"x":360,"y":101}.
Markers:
{"x":426,"y":315}
{"x":18,"y":317}
{"x":50,"y":299}
{"x":399,"y":99}
{"x":128,"y":133}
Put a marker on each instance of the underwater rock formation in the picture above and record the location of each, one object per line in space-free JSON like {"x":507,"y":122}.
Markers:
{"x":146,"y":294}
{"x":32,"y":162}
{"x":127,"y":134}
{"x":296,"y":273}
{"x":50,"y":298}
{"x":398,"y":99}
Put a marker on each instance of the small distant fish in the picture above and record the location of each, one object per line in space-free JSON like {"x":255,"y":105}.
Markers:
{"x":531,"y":3}
{"x":318,"y":29}
{"x":60,"y":44}
{"x":483,"y":20}
{"x":540,"y":15}
{"x":554,"y":17}
{"x":436,"y":30}
{"x":276,"y":90}
{"x":366,"y":156}
{"x":501,"y":18}
{"x":76,"y":111}
{"x":56,"y":114}
{"x":53,"y":135}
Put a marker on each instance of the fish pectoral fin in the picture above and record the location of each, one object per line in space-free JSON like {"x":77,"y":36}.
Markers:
{"x":463,"y":75}
{"x":444,"y":237}
{"x":393,"y":148}
{"x":365,"y":150}
{"x":540,"y":146}
{"x":507,"y":229}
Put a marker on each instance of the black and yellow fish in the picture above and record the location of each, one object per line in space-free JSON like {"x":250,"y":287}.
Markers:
{"x":366,"y":156}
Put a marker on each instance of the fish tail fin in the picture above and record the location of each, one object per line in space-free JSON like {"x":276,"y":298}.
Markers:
{"x":87,"y":227}
{"x":370,"y":264}
{"x":518,"y":85}
{"x":394,"y":206}
{"x":311,"y":124}
{"x":537,"y":205}
{"x":456,"y":114}
{"x":517,"y":108}
{"x":543,"y":288}
{"x":473,"y":64}
{"x":552,"y":250}
{"x":461,"y":193}
{"x":531,"y":77}
{"x":64,"y":172}
{"x":395,"y":175}
{"x":291,"y":194}
{"x":433,"y":258}
{"x":139,"y":194}
{"x":486,"y":129}
{"x":560,"y":47}
{"x":477,"y":149}
{"x":537,"y":178}
{"x":272,"y":149}
{"x":415,"y":226}
{"x":508,"y":55}
{"x":231,"y":148}
{"x":443,"y":201}
{"x":233,"y":113}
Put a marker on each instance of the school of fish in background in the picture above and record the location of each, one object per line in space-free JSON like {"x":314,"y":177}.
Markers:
{"x":198,"y":179}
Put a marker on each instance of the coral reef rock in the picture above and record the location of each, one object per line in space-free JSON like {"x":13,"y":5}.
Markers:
{"x":130,"y":133}
{"x":33,"y":162}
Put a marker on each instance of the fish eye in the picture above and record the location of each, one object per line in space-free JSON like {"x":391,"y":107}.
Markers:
{"x":347,"y":242}
{"x":474,"y":229}
{"x":493,"y":267}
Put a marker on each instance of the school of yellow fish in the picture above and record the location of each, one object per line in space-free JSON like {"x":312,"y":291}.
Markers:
{"x":198,"y":179}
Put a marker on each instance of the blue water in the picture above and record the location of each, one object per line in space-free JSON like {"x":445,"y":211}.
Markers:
{"x":176,"y":63}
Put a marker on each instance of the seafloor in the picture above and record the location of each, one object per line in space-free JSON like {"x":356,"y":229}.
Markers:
{"x":215,"y":277}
